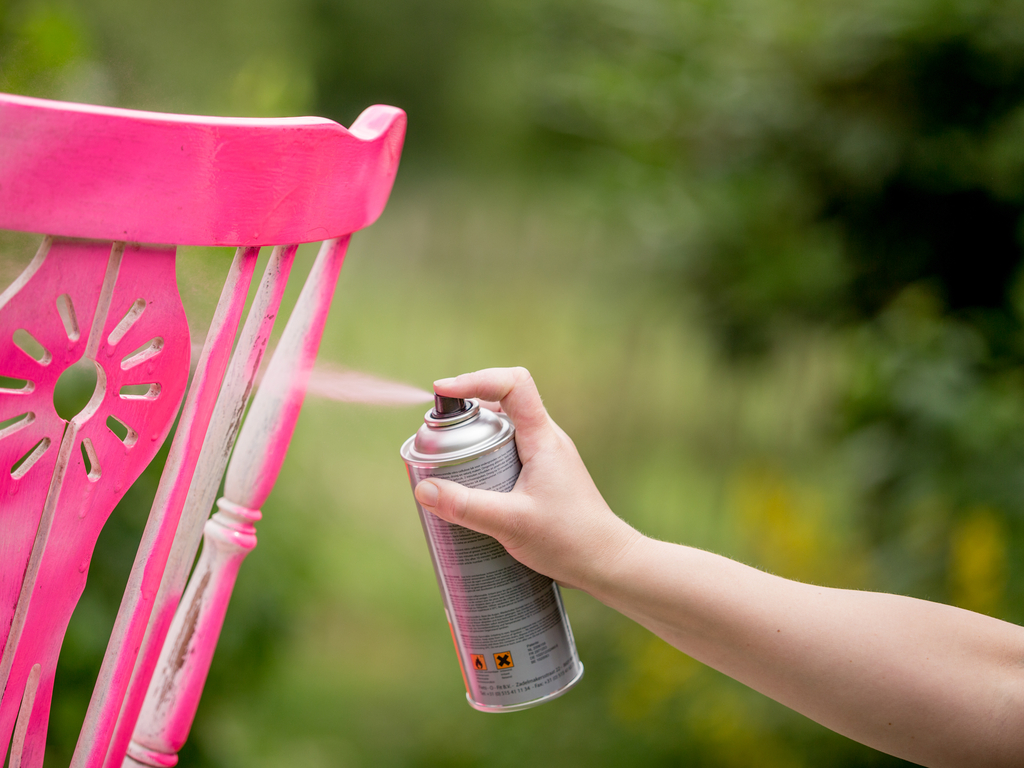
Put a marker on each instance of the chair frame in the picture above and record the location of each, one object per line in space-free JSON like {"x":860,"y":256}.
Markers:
{"x":98,"y":181}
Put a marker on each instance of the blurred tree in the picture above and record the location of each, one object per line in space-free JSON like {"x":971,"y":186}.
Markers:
{"x":855,"y":167}
{"x":38,"y":45}
{"x":857,"y":150}
{"x":450,"y":65}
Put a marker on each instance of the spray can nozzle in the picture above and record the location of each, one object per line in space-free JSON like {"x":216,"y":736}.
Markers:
{"x":448,"y":407}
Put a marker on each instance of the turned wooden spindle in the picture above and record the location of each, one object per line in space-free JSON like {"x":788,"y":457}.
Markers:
{"x":234,"y":396}
{"x":230,"y":534}
{"x":156,"y":546}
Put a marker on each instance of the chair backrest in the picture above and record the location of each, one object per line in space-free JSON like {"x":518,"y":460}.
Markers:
{"x":113,"y":192}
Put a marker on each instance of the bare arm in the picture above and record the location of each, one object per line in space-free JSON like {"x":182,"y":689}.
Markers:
{"x":932,"y":684}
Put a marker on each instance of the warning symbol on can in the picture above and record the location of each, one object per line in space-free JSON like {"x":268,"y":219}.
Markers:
{"x":479,"y":662}
{"x":503,"y":660}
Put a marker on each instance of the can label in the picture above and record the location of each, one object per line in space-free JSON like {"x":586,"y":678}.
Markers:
{"x":510,"y":629}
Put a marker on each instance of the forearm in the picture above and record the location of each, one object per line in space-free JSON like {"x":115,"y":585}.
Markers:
{"x":931,"y":683}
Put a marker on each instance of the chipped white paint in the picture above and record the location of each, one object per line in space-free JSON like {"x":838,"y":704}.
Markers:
{"x":230,"y":535}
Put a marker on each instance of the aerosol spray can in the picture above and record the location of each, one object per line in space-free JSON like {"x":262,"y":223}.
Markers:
{"x":511,"y":633}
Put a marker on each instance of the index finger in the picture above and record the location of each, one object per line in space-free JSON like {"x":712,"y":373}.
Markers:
{"x":513,"y":387}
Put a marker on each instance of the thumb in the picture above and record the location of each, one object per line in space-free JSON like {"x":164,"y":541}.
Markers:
{"x":488,"y":512}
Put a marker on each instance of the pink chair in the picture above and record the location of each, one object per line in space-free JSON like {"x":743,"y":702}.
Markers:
{"x":110,"y":189}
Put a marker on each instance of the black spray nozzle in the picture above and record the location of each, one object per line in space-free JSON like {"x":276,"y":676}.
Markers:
{"x":447,"y":407}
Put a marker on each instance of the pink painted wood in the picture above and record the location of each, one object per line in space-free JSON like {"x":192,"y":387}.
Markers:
{"x":117,"y":175}
{"x":141,"y":594}
{"x":39,"y":425}
{"x":138,"y":339}
{"x":171,"y":703}
{"x":192,"y":180}
{"x":202,"y":492}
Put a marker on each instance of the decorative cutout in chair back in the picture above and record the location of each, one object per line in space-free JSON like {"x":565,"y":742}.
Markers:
{"x":79,"y":302}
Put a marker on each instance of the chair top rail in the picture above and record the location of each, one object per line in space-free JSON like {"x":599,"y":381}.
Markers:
{"x":117,"y":174}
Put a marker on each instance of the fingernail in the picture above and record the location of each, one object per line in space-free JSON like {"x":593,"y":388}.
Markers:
{"x":443,"y":383}
{"x":426,"y":494}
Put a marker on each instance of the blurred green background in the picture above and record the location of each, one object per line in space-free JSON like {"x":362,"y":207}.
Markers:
{"x":762,"y":257}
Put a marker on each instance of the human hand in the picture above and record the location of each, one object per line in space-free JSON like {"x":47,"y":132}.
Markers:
{"x":554,"y":520}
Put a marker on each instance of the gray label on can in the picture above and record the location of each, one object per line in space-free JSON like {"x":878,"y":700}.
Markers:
{"x":509,"y":625}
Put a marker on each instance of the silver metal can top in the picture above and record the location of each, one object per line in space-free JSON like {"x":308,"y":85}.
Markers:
{"x":452,"y":433}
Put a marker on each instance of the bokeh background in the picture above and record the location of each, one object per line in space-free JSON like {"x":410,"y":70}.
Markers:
{"x":762,"y":257}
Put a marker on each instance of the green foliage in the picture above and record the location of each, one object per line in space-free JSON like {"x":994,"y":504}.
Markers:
{"x":847,"y":167}
{"x":805,"y":162}
{"x":38,"y":44}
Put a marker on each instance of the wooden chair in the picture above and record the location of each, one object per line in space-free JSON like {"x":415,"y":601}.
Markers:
{"x":112,"y":190}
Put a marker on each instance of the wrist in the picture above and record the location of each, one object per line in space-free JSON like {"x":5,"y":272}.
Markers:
{"x":606,"y":576}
